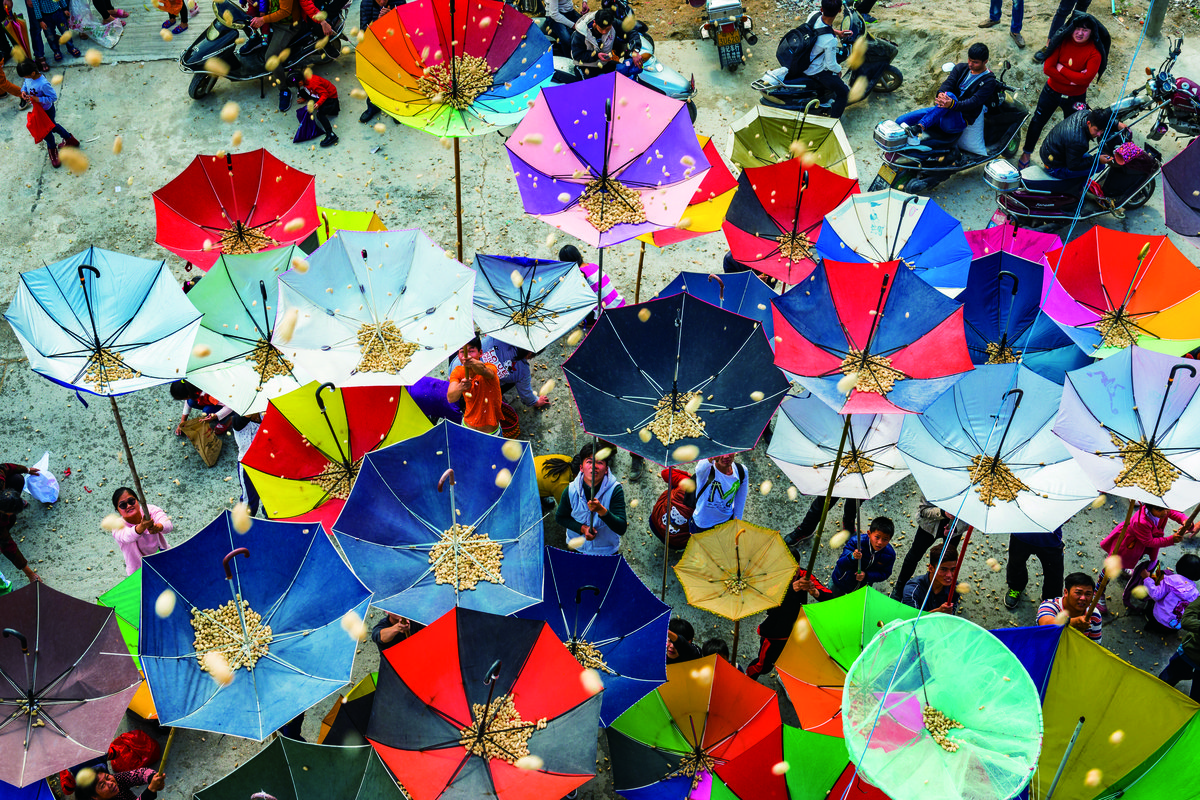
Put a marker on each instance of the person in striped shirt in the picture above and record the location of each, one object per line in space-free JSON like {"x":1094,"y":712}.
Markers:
{"x":1078,"y":591}
{"x":609,"y":296}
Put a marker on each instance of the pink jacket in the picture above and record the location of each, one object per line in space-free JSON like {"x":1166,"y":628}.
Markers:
{"x":1144,"y":538}
{"x":1170,"y":598}
{"x":134,"y":545}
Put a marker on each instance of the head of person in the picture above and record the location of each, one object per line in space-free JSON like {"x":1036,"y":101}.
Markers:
{"x":715,"y":646}
{"x":570,"y":253}
{"x":880,"y":533}
{"x":1158,"y":512}
{"x":472,"y":349}
{"x":27,"y":69}
{"x":10,"y":502}
{"x":682,"y":628}
{"x":593,"y":461}
{"x":1078,"y":590}
{"x":126,"y":504}
{"x":182,"y":390}
{"x":977,"y":57}
{"x":941,"y":566}
{"x":723,"y":463}
{"x":1188,"y":566}
{"x":831,"y":8}
{"x":103,"y":785}
{"x":1098,"y":120}
{"x":1082,"y":31}
{"x":603,"y":20}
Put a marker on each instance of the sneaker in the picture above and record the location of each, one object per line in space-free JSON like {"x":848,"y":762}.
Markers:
{"x":330,"y":140}
{"x":369,"y":114}
{"x":795,"y":539}
{"x":54,"y":160}
{"x":285,"y":100}
{"x":1040,"y":55}
{"x":989,"y":23}
{"x":1010,"y":599}
{"x":866,"y":18}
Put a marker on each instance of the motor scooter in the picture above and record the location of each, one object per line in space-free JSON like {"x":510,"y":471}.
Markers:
{"x":727,"y":25}
{"x":1177,"y":99}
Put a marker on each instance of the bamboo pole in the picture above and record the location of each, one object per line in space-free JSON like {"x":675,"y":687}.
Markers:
{"x":637,"y":287}
{"x":137,"y":482}
{"x":1116,"y":549}
{"x":458,"y":199}
{"x":812,"y":558}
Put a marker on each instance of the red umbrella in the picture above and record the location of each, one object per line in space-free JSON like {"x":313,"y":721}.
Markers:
{"x":776,"y":216}
{"x":239,"y":203}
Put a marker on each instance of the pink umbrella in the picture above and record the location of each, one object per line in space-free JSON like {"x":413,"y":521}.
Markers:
{"x":1029,"y":245}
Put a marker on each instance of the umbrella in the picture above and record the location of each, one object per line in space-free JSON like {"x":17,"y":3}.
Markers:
{"x":804,"y":446}
{"x":305,"y":458}
{"x":283,"y":643}
{"x":740,"y":292}
{"x":609,"y":621}
{"x":1024,"y":243}
{"x":34,"y":791}
{"x":126,"y":600}
{"x":821,"y":768}
{"x":776,"y":216}
{"x":104,"y":323}
{"x":289,"y":770}
{"x":377,"y":308}
{"x":937,"y":706}
{"x":765,"y":136}
{"x":1005,"y":323}
{"x":1181,"y":204}
{"x":705,"y":715}
{"x":889,"y":225}
{"x":236,"y":203}
{"x":461,"y":702}
{"x":985,"y":448}
{"x":332,"y":220}
{"x":429,"y":528}
{"x":243,"y":365}
{"x":67,"y":679}
{"x":529,"y":302}
{"x":346,"y":722}
{"x":1113,"y":289}
{"x":735,"y":570}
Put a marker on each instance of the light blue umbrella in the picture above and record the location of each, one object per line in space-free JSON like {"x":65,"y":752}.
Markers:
{"x":529,"y":302}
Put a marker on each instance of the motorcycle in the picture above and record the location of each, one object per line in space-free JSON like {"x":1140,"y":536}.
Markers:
{"x":247,"y":61}
{"x":917,"y":168}
{"x":727,"y":24}
{"x":1177,"y":99}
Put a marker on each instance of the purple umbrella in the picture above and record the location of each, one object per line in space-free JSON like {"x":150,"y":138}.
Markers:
{"x":1181,"y":192}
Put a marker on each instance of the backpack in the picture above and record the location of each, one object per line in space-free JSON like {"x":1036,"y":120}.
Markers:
{"x":795,"y":49}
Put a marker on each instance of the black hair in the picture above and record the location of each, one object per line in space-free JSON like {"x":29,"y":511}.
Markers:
{"x":117,"y":495}
{"x":10,"y":502}
{"x":605,"y":17}
{"x":831,"y":8}
{"x":589,"y":450}
{"x":681,"y":628}
{"x":884,"y":525}
{"x":979,"y":51}
{"x":475,"y":342}
{"x":1188,"y":566}
{"x":1078,"y":579}
{"x":182,"y":390}
{"x":715,"y":646}
{"x":554,"y":467}
{"x":26,"y":68}
{"x":569,"y":252}
{"x":1101,"y":117}
{"x":1147,"y":506}
{"x":1100,"y":36}
{"x":938,"y":556}
{"x":89,"y":792}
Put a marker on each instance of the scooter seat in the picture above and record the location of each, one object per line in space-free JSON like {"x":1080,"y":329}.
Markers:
{"x":1036,"y":178}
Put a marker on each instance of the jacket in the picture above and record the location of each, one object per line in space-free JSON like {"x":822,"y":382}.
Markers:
{"x":1146,"y":534}
{"x":320,"y":90}
{"x":930,"y":520}
{"x":1080,"y":64}
{"x":877,"y":566}
{"x":1189,"y":641}
{"x":971,"y":102}
{"x":586,"y":44}
{"x":1068,"y":143}
{"x":1171,"y":598}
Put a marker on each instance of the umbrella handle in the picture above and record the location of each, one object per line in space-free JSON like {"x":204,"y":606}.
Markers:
{"x":1006,"y":274}
{"x":720,"y":282}
{"x":579,"y":592}
{"x":86,"y":268}
{"x":321,"y":388}
{"x":19,"y":637}
{"x":241,"y":551}
{"x":448,"y":474}
{"x":493,"y":672}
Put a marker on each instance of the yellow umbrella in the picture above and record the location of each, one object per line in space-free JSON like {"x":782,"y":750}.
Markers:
{"x":335,"y":219}
{"x":765,"y":135}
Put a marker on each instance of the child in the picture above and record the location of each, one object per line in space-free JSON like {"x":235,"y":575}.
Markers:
{"x":610,"y":297}
{"x":865,"y":559}
{"x":322,"y":99}
{"x":175,"y":8}
{"x":35,"y":86}
{"x":1173,"y":592}
{"x":680,"y":634}
{"x":1144,"y":536}
{"x":477,"y":384}
{"x":48,"y":18}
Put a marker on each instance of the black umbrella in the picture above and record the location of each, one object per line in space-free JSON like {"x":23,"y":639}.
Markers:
{"x":1181,"y":192}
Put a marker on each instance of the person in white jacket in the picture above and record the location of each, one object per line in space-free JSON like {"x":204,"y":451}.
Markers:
{"x":721,"y":489}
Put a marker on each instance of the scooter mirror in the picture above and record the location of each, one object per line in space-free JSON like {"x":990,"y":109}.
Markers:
{"x":949,"y":65}
{"x":1007,"y":64}
{"x":1149,"y":71}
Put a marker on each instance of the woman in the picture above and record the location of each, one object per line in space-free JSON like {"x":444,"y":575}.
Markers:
{"x":107,"y":786}
{"x":1077,"y":54}
{"x":593,"y":504}
{"x":1146,"y":535}
{"x":139,"y":536}
{"x":554,"y":474}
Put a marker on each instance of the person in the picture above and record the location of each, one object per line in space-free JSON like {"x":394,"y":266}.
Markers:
{"x":680,"y":646}
{"x":808,"y":526}
{"x":561,"y":17}
{"x":674,"y":508}
{"x":931,"y":591}
{"x":512,"y":367}
{"x":933,"y":524}
{"x":1078,"y":591}
{"x":286,"y":24}
{"x":49,"y":19}
{"x":1048,"y":549}
{"x":192,"y":398}
{"x":6,"y":54}
{"x":996,"y":11}
{"x":182,"y":13}
{"x":823,"y":69}
{"x":961,"y":102}
{"x":11,"y":504}
{"x":1071,"y":66}
{"x":119,"y":786}
{"x":865,"y":7}
{"x":368,"y":12}
{"x":721,"y":496}
{"x":631,"y":65}
{"x":716,"y":646}
{"x":1065,"y":151}
{"x":593,"y":504}
{"x":108,"y":14}
{"x":1066,"y":9}
{"x":244,"y":431}
{"x":477,"y":384}
{"x":594,"y":42}
{"x":554,"y":473}
{"x":323,"y":97}
{"x":1145,"y":535}
{"x":609,"y":296}
{"x":1185,"y":663}
{"x":1173,"y":592}
{"x":777,"y":625}
{"x":865,"y":559}
{"x":392,"y":629}
{"x":140,"y":535}
{"x":36,"y":87}
{"x":12,"y":476}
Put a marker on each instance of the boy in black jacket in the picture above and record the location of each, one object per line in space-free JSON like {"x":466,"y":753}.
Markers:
{"x":866,"y":559}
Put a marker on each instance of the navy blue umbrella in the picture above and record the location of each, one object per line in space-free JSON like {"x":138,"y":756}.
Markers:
{"x":740,"y":292}
{"x":609,"y":621}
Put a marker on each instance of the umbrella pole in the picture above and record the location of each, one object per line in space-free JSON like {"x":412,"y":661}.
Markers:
{"x":837,"y":462}
{"x":737,"y":633}
{"x":662,"y":595}
{"x":637,"y":287}
{"x":162,"y":762}
{"x":458,"y":197}
{"x":137,"y":482}
{"x":962,"y":556}
{"x":1063,"y":764}
{"x":1116,"y":549}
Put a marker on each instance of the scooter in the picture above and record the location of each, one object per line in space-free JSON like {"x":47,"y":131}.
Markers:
{"x":917,"y":168}
{"x":245,"y":61}
{"x":1177,"y":99}
{"x":728,"y":25}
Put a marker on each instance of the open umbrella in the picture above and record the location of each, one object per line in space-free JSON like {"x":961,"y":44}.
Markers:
{"x":332,"y":220}
{"x":1024,"y":243}
{"x":461,"y":702}
{"x":305,"y":458}
{"x":126,"y":600}
{"x":276,"y":619}
{"x":764,"y":135}
{"x":1180,"y":184}
{"x":778,"y":214}
{"x":429,"y":527}
{"x":34,"y":791}
{"x":289,"y":770}
{"x":377,"y":308}
{"x":820,"y":768}
{"x":236,"y":203}
{"x":65,"y":681}
{"x":740,"y":292}
{"x":889,"y":225}
{"x":346,"y":723}
{"x":529,"y":302}
{"x":609,"y":621}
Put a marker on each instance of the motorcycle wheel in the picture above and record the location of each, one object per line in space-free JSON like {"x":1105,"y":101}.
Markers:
{"x":1142,"y":196}
{"x":889,"y":80}
{"x":202,"y":85}
{"x":730,"y":56}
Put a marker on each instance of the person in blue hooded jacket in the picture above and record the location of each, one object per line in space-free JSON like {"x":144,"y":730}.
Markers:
{"x":866,"y":558}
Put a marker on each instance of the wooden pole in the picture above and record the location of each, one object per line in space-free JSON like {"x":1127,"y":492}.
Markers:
{"x":837,"y":465}
{"x":458,"y":199}
{"x":737,"y":633}
{"x":1116,"y":549}
{"x":162,"y":762}
{"x":962,"y":555}
{"x":637,"y":287}
{"x":137,"y":482}
{"x":662,"y":595}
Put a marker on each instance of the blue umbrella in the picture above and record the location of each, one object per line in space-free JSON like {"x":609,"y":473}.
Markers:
{"x":1004,"y":321}
{"x":34,"y":791}
{"x":428,"y":529}
{"x":294,"y":580}
{"x":599,"y":601}
{"x":529,"y":302}
{"x":740,"y":292}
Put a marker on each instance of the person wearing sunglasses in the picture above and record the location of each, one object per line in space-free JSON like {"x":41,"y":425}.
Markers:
{"x":141,"y":535}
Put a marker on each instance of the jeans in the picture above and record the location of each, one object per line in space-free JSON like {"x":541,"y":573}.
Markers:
{"x":1051,"y":559}
{"x":282,"y":34}
{"x":56,"y":23}
{"x":1065,"y":9}
{"x":947,"y":121}
{"x":1018,"y":13}
{"x":58,"y":128}
{"x":561,"y":33}
{"x":1048,"y":102}
{"x":1181,"y":668}
{"x":832,"y":82}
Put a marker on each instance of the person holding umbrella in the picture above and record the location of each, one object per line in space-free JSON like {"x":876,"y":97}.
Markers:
{"x":724,"y":486}
{"x":593,"y":504}
{"x":141,"y":534}
{"x":477,"y":383}
{"x":105,"y":785}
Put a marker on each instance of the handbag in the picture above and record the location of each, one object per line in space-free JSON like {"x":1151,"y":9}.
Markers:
{"x":207,"y":443}
{"x":308,"y":126}
{"x":38,"y":122}
{"x":43,"y":486}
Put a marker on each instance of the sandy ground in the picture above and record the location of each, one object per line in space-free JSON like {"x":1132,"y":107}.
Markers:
{"x":408,"y":178}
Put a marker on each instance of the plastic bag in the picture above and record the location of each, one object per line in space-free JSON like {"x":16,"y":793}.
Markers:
{"x":85,"y":21}
{"x":308,"y":126}
{"x":43,"y":486}
{"x":38,"y":122}
{"x":207,"y":443}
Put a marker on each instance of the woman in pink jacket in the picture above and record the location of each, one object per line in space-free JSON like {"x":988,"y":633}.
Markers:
{"x":140,"y":536}
{"x":1145,"y":535}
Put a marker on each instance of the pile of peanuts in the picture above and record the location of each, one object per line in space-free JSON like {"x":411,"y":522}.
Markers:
{"x":383,"y":348}
{"x":1001,"y":355}
{"x":27,"y":707}
{"x":268,"y":362}
{"x":336,"y":479}
{"x":795,"y":246}
{"x":531,"y":314}
{"x":241,"y":239}
{"x":220,"y":630}
{"x":672,"y":419}
{"x":506,"y":736}
{"x":1144,"y":466}
{"x":463,"y":558}
{"x":610,"y":203}
{"x":994,"y":480}
{"x":1118,"y":329}
{"x":856,"y":463}
{"x":588,"y":655}
{"x":694,"y":765}
{"x":736,"y":585}
{"x":875,"y":373}
{"x":458,"y":84}
{"x":939,"y":726}
{"x":105,"y":367}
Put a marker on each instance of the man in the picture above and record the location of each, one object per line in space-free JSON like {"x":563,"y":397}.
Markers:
{"x":286,"y":24}
{"x":477,"y":383}
{"x":1071,"y":608}
{"x":512,"y":367}
{"x":1018,"y":16}
{"x":1048,"y":549}
{"x":961,"y":102}
{"x":593,"y":504}
{"x":823,"y":69}
{"x":931,"y":591}
{"x":593,"y":43}
{"x":1185,"y":664}
{"x":721,"y":496}
{"x":1065,"y":151}
{"x":561,"y":17}
{"x":1066,"y":8}
{"x":933,"y":524}
{"x":393,"y":629}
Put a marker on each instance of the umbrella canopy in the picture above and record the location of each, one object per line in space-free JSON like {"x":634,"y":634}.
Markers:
{"x":609,"y":621}
{"x":454,"y":70}
{"x":1130,"y":422}
{"x":289,"y":770}
{"x":126,"y":600}
{"x":283,"y":643}
{"x":465,"y":699}
{"x":633,"y":377}
{"x":1005,"y":323}
{"x":821,"y":768}
{"x":104,"y":323}
{"x":985,"y":449}
{"x":305,"y":458}
{"x":377,"y":309}
{"x":1113,"y":289}
{"x":428,"y":528}
{"x":67,"y":679}
{"x":765,"y":135}
{"x":236,"y":203}
{"x":34,"y":791}
{"x":902,"y":339}
{"x":777,"y":216}
{"x":1180,"y":201}
{"x":529,"y":302}
{"x":332,"y":220}
{"x":244,"y":365}
{"x":606,"y":159}
{"x":708,"y":205}
{"x":736,"y":569}
{"x":889,"y":225}
{"x":937,"y":706}
{"x":740,"y":292}
{"x":805,"y":447}
{"x":1024,"y":243}
{"x":346,"y":722}
{"x":705,"y":715}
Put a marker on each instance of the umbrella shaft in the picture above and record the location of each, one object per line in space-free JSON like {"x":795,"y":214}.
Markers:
{"x":137,"y":481}
{"x":812,"y":558}
{"x":457,"y":188}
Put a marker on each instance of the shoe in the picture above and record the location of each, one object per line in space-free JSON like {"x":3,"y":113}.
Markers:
{"x":170,"y":22}
{"x":73,"y":50}
{"x":989,"y":23}
{"x":120,"y":13}
{"x":1040,"y":55}
{"x":58,"y":56}
{"x":866,"y":18}
{"x":178,"y":29}
{"x":330,"y":140}
{"x":1010,"y":599}
{"x":1018,"y":39}
{"x":285,"y":99}
{"x":369,"y":114}
{"x":43,"y":66}
{"x":24,"y":104}
{"x":54,"y":160}
{"x":795,"y":539}
{"x":71,"y":141}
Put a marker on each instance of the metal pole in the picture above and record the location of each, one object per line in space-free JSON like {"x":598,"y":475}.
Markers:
{"x":1154,"y":18}
{"x":1063,"y":764}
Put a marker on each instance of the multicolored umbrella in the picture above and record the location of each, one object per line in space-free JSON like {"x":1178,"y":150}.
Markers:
{"x":289,"y":770}
{"x":765,"y":136}
{"x":820,"y":768}
{"x":236,"y":203}
{"x":1180,"y":200}
{"x":740,"y":292}
{"x":708,"y":205}
{"x":125,"y":599}
{"x":529,"y":302}
{"x":306,"y":456}
{"x":346,"y":723}
{"x":1024,"y":243}
{"x":332,"y":220}
{"x":1113,"y":289}
{"x":777,"y":216}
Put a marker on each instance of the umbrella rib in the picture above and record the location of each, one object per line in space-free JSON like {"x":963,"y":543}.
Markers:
{"x":61,"y":676}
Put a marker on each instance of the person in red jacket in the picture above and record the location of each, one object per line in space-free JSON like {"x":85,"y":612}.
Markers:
{"x":1075,"y":57}
{"x":323,"y":97}
{"x":286,"y":24}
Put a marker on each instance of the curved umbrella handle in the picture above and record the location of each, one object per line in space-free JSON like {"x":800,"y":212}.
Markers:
{"x":1191,"y":371}
{"x":321,"y":388}
{"x":720,"y":282}
{"x":19,"y":637}
{"x":1006,"y":274}
{"x":241,"y":551}
{"x":579,"y":592}
{"x":493,"y":672}
{"x":86,"y":268}
{"x":447,"y":475}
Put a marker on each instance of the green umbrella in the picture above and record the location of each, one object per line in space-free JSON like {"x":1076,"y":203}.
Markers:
{"x":844,"y":626}
{"x":819,"y":767}
{"x":290,"y":770}
{"x":126,"y":599}
{"x":765,"y":136}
